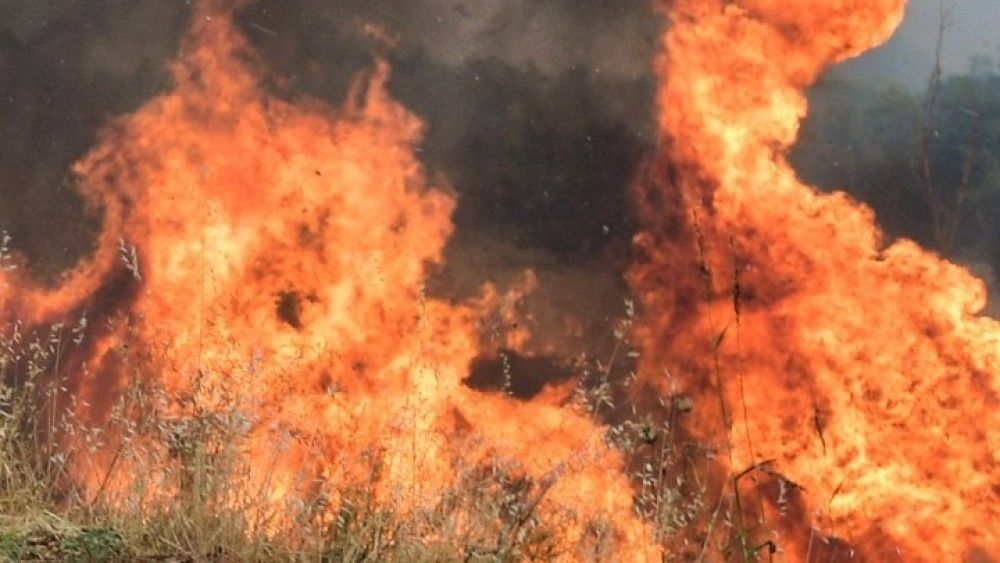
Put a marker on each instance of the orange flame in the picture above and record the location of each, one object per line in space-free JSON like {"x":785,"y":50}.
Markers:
{"x":863,"y":370}
{"x":281,"y":250}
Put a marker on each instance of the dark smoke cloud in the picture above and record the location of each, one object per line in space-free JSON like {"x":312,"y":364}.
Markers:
{"x":606,"y":36}
{"x":544,"y":139}
{"x":65,"y":68}
{"x":538,"y":114}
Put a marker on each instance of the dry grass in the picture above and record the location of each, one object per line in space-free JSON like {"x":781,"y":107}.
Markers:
{"x":161,"y":486}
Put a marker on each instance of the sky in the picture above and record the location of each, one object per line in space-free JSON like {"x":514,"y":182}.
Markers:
{"x":973,"y":29}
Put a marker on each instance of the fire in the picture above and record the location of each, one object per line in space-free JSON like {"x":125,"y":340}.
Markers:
{"x":862,"y":369}
{"x":279,"y":250}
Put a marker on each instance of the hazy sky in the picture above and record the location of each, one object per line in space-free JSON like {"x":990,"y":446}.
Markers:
{"x":973,"y":29}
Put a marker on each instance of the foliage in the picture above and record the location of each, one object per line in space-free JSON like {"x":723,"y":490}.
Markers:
{"x":864,"y":138}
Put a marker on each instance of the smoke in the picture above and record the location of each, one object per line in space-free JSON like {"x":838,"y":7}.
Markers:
{"x":550,"y":35}
{"x":65,"y":68}
{"x":540,"y":142}
{"x":537,"y":114}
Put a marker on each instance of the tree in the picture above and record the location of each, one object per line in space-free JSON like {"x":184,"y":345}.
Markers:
{"x":930,"y":168}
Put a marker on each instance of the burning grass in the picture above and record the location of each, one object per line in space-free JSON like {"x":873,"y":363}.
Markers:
{"x":267,"y":377}
{"x":167,"y":477}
